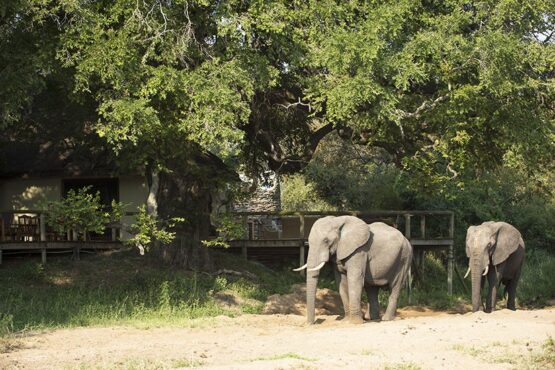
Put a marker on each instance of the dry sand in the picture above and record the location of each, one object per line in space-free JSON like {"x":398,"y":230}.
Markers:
{"x":416,"y":339}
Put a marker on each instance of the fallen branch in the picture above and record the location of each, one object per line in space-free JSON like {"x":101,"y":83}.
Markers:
{"x":233,"y":272}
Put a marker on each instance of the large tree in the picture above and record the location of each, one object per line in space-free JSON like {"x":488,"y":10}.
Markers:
{"x":443,"y":86}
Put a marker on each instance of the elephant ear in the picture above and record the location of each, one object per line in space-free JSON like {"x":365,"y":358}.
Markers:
{"x":508,"y":240}
{"x":469,"y":234}
{"x":354,"y":233}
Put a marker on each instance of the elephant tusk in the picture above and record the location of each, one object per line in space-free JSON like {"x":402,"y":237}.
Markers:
{"x":467,"y":272}
{"x":486,"y":272}
{"x":317,"y":267}
{"x":301,"y":268}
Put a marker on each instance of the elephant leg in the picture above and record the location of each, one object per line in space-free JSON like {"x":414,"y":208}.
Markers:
{"x":373,"y":312}
{"x":511,"y":292}
{"x":493,"y":282}
{"x":341,"y":280}
{"x":392,"y":302}
{"x":355,"y":281}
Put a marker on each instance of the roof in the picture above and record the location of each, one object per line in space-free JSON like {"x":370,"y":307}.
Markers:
{"x":65,"y":159}
{"x":48,"y":159}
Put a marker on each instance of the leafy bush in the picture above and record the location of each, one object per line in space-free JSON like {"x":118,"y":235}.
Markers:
{"x":536,"y":283}
{"x":297,"y":194}
{"x":228,"y":228}
{"x":147,"y":230}
{"x":81,"y":211}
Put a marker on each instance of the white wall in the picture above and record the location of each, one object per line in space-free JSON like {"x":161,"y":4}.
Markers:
{"x":133,"y":191}
{"x":23,"y":194}
{"x":28,"y":193}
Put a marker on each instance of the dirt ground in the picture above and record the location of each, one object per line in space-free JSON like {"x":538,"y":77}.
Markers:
{"x":417,"y":339}
{"x":280,"y":339}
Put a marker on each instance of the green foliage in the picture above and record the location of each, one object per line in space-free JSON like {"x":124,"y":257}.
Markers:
{"x":126,"y":289}
{"x":342,"y":176}
{"x":299,"y":195}
{"x":430,"y":290}
{"x":442,"y":87}
{"x":147,"y":230}
{"x":81,"y":211}
{"x":506,"y":194}
{"x":352,"y":177}
{"x":536,"y":283}
{"x":228,"y":228}
{"x":6,"y":324}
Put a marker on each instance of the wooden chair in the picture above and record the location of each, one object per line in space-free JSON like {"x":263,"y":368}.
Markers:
{"x":27,"y":228}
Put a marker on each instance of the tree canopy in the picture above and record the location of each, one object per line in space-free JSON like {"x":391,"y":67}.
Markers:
{"x":445,"y":87}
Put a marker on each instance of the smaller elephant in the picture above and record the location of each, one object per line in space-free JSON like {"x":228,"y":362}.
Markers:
{"x":495,"y":250}
{"x":363,"y":256}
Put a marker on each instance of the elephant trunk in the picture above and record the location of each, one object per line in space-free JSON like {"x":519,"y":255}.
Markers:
{"x":476,"y":269}
{"x":314,"y":260}
{"x":311,"y":285}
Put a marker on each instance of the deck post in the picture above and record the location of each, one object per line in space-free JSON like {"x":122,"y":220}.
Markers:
{"x":450,"y":255}
{"x":0,"y":255}
{"x":2,"y":230}
{"x":244,"y":250}
{"x":244,"y":221}
{"x":409,"y":276}
{"x":301,"y":256}
{"x":42,"y":226}
{"x":113,"y":234}
{"x":407,"y":226}
{"x":301,"y":227}
{"x":43,"y":255}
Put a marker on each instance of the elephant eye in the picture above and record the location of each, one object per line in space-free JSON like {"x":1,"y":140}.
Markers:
{"x":326,"y":240}
{"x":489,"y":244}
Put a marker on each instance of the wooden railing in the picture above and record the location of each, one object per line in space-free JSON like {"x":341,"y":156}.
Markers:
{"x":32,"y":235}
{"x":421,"y":238}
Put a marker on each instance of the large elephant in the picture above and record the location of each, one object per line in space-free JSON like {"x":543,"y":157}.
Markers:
{"x":496,"y":250}
{"x":369,"y":256}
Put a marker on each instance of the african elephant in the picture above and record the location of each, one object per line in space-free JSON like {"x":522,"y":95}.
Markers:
{"x":496,"y":250}
{"x":369,"y":256}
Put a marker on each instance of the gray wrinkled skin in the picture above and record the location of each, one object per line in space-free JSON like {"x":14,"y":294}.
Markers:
{"x":364,"y":256}
{"x":498,"y":249}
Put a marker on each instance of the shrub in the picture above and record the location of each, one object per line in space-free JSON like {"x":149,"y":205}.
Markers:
{"x":148,"y":229}
{"x":81,"y":211}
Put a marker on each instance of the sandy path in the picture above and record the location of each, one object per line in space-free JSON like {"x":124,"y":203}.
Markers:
{"x":285,"y":342}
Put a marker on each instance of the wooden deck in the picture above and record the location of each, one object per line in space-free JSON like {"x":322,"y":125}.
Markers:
{"x":18,"y":247}
{"x":33,"y":236}
{"x":419,"y":237}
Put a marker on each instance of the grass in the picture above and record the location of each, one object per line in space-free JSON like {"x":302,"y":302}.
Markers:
{"x":402,"y":366}
{"x":125,"y":289}
{"x":536,"y":284}
{"x":283,"y":356}
{"x":10,"y":344}
{"x":535,"y":357}
{"x":535,"y":287}
{"x":431,"y":289}
{"x":186,"y":362}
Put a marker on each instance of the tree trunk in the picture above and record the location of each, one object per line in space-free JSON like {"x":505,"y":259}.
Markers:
{"x":153,"y":187}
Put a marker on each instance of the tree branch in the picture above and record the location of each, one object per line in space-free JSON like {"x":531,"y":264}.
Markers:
{"x":427,"y":105}
{"x":281,"y":163}
{"x":293,"y":105}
